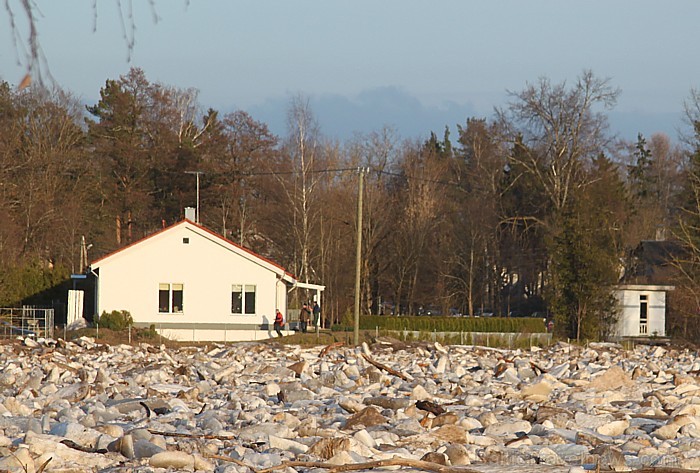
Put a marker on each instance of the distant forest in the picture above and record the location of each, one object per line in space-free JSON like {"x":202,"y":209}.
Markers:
{"x":533,"y":210}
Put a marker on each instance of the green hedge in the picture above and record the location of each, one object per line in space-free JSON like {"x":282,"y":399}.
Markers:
{"x":452,"y":324}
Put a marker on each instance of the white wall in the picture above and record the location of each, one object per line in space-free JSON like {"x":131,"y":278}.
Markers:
{"x":628,"y":317}
{"x":204,"y":335}
{"x":129,"y":280}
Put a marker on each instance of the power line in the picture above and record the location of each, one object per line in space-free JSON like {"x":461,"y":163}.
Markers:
{"x":424,"y":179}
{"x":282,"y":173}
{"x":335,"y":170}
{"x":331,"y":170}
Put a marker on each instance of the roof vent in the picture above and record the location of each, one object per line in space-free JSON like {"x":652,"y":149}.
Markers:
{"x":190,"y":214}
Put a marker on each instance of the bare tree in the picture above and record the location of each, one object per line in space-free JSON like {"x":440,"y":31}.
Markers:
{"x":687,"y":228}
{"x":377,"y":151}
{"x":43,"y":176}
{"x":298,"y":180}
{"x":561,"y":128}
{"x":687,"y":293}
{"x":417,"y":210}
{"x":479,"y":172}
{"x":556,"y":132}
{"x":28,"y":50}
{"x":654,"y":182}
{"x":184,"y":103}
{"x":234,"y":149}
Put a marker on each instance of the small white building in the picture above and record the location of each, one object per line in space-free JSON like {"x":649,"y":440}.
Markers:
{"x":641,"y":310}
{"x":192,"y":284}
{"x":643,"y":290}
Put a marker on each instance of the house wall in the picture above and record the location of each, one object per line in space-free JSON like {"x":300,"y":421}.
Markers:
{"x":200,"y":333}
{"x":207,"y":268}
{"x":628,"y":317}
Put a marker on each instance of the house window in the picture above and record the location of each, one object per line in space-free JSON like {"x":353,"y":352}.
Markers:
{"x":643,"y":312}
{"x":170,"y":298}
{"x":236,"y":299}
{"x":243,"y":299}
{"x":249,"y":299}
{"x":643,"y":308}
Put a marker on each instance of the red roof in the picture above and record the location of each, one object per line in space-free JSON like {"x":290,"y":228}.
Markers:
{"x":214,"y":234}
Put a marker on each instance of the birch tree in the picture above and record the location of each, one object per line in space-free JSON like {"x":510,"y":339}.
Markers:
{"x":298,"y":181}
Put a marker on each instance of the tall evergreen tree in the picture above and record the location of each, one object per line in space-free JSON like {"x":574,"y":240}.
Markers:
{"x":121,"y":141}
{"x":145,"y":137}
{"x":641,"y":172}
{"x":585,"y":270}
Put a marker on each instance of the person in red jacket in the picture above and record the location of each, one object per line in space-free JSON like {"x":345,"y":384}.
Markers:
{"x":279,"y":322}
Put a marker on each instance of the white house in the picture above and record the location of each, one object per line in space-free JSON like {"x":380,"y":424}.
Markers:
{"x":641,"y":310}
{"x":642,"y":292}
{"x":192,"y":284}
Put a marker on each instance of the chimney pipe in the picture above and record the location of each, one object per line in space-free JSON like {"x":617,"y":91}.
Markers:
{"x":660,"y":232}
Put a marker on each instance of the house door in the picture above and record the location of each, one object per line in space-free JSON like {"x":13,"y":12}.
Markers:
{"x":643,"y":313}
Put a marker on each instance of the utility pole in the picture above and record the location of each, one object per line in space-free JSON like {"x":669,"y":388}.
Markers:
{"x":84,"y":247}
{"x":83,"y":254}
{"x":358,"y":252}
{"x":197,"y":173}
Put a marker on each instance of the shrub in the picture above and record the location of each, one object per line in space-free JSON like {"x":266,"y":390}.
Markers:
{"x":116,"y":320}
{"x":453,"y":324}
{"x":147,"y":334}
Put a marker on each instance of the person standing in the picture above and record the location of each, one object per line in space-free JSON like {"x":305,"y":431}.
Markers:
{"x":317,"y":313}
{"x":304,"y":317}
{"x":279,"y":322}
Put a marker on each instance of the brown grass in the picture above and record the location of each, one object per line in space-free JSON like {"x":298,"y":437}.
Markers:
{"x":309,"y":339}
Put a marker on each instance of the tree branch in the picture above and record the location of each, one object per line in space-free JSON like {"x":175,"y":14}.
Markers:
{"x":407,"y":462}
{"x":386,"y":368}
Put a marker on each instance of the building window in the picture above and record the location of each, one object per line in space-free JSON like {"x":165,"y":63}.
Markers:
{"x":236,"y":299}
{"x":170,"y":298}
{"x":243,"y":299}
{"x":643,"y":309}
{"x":643,"y":313}
{"x":249,"y":299}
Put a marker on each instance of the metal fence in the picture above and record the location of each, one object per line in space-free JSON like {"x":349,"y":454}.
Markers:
{"x":26,"y":322}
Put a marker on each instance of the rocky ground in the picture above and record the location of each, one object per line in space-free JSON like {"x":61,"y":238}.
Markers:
{"x":80,"y":406}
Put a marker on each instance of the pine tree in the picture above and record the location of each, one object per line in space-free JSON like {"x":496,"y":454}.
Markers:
{"x":642,"y":180}
{"x":585,"y":256}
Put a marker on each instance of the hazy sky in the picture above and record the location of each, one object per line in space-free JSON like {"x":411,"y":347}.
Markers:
{"x":415,"y":65}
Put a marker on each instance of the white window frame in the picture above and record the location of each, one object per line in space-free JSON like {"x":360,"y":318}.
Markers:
{"x":244,"y":290}
{"x":172,"y":289}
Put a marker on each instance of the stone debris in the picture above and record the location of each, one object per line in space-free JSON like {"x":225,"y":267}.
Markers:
{"x":82,"y":406}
